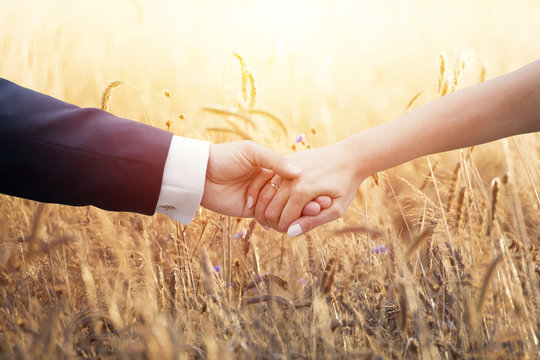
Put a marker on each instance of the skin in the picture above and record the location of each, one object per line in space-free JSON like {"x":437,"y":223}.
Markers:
{"x":235,"y":167}
{"x":504,"y":106}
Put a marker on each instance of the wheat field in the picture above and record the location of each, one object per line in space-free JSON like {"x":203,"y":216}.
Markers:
{"x":435,"y":259}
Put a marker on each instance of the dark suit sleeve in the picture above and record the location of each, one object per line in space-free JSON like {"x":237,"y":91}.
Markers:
{"x":55,"y":152}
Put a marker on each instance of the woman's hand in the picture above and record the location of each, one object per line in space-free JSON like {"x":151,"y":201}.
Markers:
{"x":330,"y":171}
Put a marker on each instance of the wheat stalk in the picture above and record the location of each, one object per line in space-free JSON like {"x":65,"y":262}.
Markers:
{"x":106,"y":96}
{"x":222,"y":111}
{"x":453,"y":184}
{"x":272,"y":117}
{"x":107,"y":93}
{"x":239,"y":133}
{"x":487,"y":279}
{"x":247,"y":79}
{"x":442,"y":87}
{"x":412,"y":101}
{"x":311,"y":254}
{"x":459,"y":206}
{"x":494,"y":197}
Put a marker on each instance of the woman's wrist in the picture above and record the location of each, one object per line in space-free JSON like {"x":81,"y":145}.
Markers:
{"x":359,"y":150}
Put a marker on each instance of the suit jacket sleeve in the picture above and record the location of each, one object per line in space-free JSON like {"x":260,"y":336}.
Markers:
{"x":55,"y":152}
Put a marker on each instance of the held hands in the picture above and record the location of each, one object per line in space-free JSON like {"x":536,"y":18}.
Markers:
{"x":327,"y":171}
{"x":237,"y":172}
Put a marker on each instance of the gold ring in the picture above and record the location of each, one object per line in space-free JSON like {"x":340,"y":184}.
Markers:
{"x":274,"y":185}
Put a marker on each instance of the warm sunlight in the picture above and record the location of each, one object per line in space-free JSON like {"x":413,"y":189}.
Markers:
{"x":379,"y":210}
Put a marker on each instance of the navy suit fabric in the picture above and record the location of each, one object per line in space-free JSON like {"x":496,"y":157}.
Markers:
{"x":55,"y":152}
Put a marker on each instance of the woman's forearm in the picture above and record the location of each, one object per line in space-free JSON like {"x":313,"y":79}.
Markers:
{"x":498,"y":108}
{"x":501,"y":107}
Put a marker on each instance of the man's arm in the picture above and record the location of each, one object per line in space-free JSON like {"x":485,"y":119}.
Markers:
{"x":51,"y":151}
{"x":56,"y":152}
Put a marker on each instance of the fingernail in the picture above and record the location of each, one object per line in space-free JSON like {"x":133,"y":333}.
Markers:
{"x":250,"y":202}
{"x":294,"y":230}
{"x":293,"y":169}
{"x":266,"y":228}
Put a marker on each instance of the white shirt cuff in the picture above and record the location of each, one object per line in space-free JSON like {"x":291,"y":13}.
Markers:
{"x":183,"y":179}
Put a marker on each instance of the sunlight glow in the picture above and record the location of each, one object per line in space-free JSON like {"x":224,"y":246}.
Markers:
{"x":284,"y":15}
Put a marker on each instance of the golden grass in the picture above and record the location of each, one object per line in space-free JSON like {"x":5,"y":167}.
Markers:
{"x":81,"y":282}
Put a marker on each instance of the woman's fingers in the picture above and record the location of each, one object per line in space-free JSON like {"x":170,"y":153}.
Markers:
{"x":260,"y":186}
{"x":255,"y":187}
{"x":298,"y":200}
{"x":275,"y":207}
{"x":266,"y":195}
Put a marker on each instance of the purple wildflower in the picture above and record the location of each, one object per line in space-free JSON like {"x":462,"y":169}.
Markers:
{"x":300,"y":138}
{"x":217,"y":268}
{"x":303,"y":281}
{"x":241,"y":234}
{"x":381,"y":249}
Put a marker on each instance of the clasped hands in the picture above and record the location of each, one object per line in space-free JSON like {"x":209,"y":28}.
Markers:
{"x":293,"y":193}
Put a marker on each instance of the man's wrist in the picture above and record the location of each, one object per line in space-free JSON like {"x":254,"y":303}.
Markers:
{"x":183,"y":180}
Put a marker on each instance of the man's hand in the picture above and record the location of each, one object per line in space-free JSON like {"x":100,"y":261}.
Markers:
{"x":235,"y":167}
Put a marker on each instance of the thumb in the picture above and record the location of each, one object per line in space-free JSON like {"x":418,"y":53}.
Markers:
{"x":306,"y":223}
{"x":263,"y":157}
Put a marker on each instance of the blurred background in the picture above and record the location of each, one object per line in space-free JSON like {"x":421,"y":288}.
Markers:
{"x":339,"y":66}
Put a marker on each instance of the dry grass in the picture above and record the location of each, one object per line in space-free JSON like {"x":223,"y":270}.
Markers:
{"x":456,"y":271}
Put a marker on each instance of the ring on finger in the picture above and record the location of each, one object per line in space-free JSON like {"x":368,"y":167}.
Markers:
{"x":274,"y":185}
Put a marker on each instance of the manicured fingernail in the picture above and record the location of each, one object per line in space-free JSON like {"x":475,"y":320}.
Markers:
{"x":293,"y":169}
{"x":266,"y":228}
{"x":249,"y":202}
{"x":294,"y":230}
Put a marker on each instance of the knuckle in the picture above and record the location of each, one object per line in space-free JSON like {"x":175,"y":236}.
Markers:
{"x":297,"y":198}
{"x":245,"y":145}
{"x":284,"y":223}
{"x":271,"y":215}
{"x":265,"y":196}
{"x":259,"y":216}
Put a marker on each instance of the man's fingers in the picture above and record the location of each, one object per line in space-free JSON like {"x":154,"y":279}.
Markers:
{"x":307,"y":223}
{"x":324,"y":201}
{"x":315,"y":206}
{"x":263,"y":157}
{"x":312,"y":208}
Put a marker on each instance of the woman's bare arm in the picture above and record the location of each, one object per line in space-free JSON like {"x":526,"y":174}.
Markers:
{"x":498,"y":108}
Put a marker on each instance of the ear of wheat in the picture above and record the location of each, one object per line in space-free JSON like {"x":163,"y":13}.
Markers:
{"x":107,"y":93}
